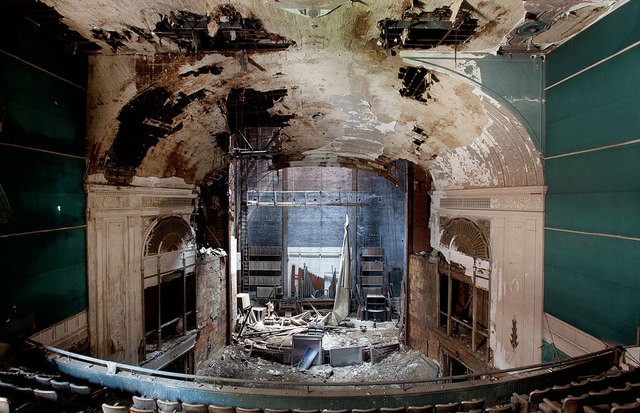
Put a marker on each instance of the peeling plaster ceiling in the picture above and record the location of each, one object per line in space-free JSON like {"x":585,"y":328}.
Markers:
{"x":176,"y":65}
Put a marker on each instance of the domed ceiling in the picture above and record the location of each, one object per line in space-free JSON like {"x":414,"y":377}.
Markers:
{"x":178,"y":88}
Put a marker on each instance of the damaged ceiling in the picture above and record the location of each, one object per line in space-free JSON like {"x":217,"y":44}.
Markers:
{"x":177,"y":88}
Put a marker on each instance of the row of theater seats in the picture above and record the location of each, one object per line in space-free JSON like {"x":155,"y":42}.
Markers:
{"x":149,"y":405}
{"x":25,"y":392}
{"x":613,"y":392}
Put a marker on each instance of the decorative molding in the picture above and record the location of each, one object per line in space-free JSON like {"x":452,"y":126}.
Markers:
{"x":466,"y":235}
{"x":118,"y":219}
{"x":64,"y":333}
{"x":166,"y":202}
{"x":466,"y":203}
{"x":103,"y":200}
{"x":529,"y":199}
{"x":569,"y":339}
{"x":512,"y":220}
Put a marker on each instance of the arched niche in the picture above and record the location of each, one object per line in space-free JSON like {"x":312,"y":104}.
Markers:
{"x":169,"y":280}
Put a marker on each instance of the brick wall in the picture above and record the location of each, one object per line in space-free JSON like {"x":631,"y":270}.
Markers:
{"x":422,"y":311}
{"x":211,"y":305}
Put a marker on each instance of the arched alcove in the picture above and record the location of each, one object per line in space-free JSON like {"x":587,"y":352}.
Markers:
{"x":169,"y":279}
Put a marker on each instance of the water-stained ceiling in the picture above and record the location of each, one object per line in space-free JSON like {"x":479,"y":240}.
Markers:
{"x":177,"y":88}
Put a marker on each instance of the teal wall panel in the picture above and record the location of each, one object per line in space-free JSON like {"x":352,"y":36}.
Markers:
{"x":596,"y":108}
{"x":612,"y":34}
{"x":592,"y":219}
{"x":44,"y":191}
{"x":41,"y":110}
{"x":598,"y":289}
{"x":21,"y":38}
{"x":42,"y":144}
{"x":609,"y":317}
{"x":617,"y":212}
{"x":45,"y":274}
{"x":612,"y":260}
{"x":611,"y":170}
{"x":551,"y":353}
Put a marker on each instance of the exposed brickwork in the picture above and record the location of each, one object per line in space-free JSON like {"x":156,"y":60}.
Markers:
{"x":422,"y":321}
{"x":423,"y":311}
{"x":211,"y":305}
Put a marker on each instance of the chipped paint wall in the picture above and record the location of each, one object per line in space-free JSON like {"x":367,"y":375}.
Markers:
{"x":505,"y":152}
{"x":498,"y":177}
{"x":514,"y":266}
{"x":118,"y":220}
{"x":592,"y":228}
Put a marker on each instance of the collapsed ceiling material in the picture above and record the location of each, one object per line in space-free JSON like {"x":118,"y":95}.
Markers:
{"x":415,"y":81}
{"x":225,"y":30}
{"x":425,"y":30}
{"x":229,"y":70}
{"x":145,"y":120}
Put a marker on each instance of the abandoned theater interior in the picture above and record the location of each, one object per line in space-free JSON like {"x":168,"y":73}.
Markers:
{"x":271,"y":206}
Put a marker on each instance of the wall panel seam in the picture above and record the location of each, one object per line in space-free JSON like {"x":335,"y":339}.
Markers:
{"x":26,"y":62}
{"x":597,"y":234}
{"x":599,"y":148}
{"x":599,"y":62}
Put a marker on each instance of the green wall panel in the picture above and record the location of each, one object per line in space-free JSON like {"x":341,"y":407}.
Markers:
{"x":613,"y":260}
{"x":615,"y":213}
{"x":44,"y":273}
{"x":46,"y":276}
{"x":551,"y":353}
{"x":44,"y":191}
{"x":613,"y":33}
{"x":611,"y":170}
{"x":41,"y":110}
{"x":596,"y":108}
{"x":592,"y":283}
{"x":20,"y":38}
